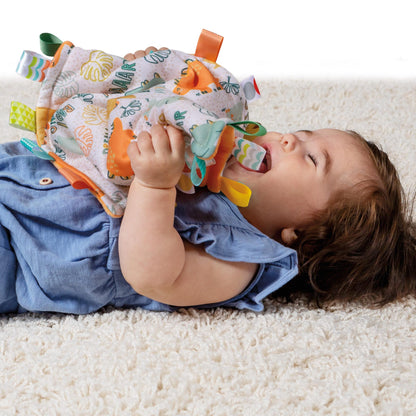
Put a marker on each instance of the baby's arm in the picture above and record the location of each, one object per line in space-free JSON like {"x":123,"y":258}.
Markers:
{"x":154,"y":259}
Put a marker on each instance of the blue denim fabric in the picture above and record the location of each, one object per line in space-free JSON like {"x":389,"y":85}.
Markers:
{"x":59,"y":249}
{"x":59,"y":236}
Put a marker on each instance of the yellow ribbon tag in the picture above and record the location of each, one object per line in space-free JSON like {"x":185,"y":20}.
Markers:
{"x":22,"y":117}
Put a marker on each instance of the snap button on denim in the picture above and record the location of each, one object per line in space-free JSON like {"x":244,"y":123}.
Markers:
{"x":45,"y":181}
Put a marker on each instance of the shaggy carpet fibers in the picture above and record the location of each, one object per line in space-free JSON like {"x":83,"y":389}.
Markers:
{"x":291,"y":359}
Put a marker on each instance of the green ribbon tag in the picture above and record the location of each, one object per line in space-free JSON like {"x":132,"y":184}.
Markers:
{"x":49,"y":43}
{"x":261,"y":131}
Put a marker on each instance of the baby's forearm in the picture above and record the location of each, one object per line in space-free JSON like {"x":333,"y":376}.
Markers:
{"x":152,"y":253}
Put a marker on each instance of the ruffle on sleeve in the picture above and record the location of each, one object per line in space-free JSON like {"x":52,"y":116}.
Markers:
{"x":231,"y":243}
{"x":212,"y":221}
{"x":269,"y":278}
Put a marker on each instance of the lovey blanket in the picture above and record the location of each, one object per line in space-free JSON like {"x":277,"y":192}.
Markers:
{"x":92,"y":104}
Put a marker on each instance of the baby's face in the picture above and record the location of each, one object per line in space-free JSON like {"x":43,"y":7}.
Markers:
{"x":301,"y":172}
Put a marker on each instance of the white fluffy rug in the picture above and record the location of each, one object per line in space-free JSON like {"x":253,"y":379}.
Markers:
{"x":289,"y":360}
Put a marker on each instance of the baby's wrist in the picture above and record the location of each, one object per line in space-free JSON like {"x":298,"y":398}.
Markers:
{"x":137,"y":183}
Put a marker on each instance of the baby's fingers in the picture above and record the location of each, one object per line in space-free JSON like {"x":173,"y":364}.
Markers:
{"x":140,"y":53}
{"x":160,"y":140}
{"x":177,"y":142}
{"x":129,"y":57}
{"x":145,"y":143}
{"x":133,"y":150}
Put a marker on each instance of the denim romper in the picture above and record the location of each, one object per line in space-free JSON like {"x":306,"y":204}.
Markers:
{"x":59,"y":249}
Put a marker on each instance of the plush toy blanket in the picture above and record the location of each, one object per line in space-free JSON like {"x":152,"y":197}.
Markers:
{"x":92,"y":104}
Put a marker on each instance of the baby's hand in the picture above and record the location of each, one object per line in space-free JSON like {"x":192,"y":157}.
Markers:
{"x":158,"y":157}
{"x":140,"y":53}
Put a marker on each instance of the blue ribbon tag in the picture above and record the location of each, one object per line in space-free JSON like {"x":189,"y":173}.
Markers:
{"x":35,"y":149}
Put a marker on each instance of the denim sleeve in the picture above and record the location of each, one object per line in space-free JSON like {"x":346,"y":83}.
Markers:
{"x":269,"y":278}
{"x":211,"y":221}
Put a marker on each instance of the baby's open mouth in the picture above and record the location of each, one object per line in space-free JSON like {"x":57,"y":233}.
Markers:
{"x":265,"y":165}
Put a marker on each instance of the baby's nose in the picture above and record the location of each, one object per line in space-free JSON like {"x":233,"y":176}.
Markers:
{"x":288,"y":142}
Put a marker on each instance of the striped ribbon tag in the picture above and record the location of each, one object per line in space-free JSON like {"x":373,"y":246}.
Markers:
{"x":33,"y":66}
{"x":248,"y":153}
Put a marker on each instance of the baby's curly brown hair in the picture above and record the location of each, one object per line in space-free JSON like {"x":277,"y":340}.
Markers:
{"x":363,"y":245}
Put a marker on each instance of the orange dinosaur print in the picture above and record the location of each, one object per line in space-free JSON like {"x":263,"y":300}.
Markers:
{"x":197,"y":77}
{"x":118,"y":162}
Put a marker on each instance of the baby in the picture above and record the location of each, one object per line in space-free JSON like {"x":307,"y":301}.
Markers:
{"x":326,"y":217}
{"x":328,"y":193}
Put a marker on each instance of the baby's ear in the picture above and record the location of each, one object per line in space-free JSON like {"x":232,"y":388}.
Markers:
{"x":288,"y":236}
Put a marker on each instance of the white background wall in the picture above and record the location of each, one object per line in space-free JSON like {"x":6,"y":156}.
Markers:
{"x":290,"y":38}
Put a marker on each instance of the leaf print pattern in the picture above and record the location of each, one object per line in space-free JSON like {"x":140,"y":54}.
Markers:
{"x":94,"y":115}
{"x":84,"y":137}
{"x":98,"y":67}
{"x":66,"y":86}
{"x":230,"y":87}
